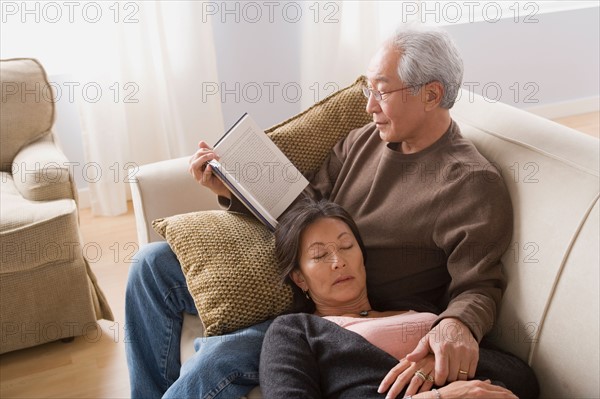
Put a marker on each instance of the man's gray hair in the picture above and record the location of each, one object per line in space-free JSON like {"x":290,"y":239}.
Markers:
{"x":429,"y":55}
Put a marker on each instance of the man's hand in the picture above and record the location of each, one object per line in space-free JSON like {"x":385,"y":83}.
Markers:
{"x":455,"y":349}
{"x":203,"y":172}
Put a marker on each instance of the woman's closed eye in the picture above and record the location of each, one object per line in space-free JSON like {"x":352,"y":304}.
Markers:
{"x":320,"y":256}
{"x":318,"y":252}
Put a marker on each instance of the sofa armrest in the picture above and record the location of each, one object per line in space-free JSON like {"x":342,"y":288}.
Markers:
{"x":164,"y":189}
{"x":41,"y":172}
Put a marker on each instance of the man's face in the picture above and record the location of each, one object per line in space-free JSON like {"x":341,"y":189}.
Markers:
{"x":400,"y":115}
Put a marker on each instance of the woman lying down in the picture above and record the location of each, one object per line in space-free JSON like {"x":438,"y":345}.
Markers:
{"x":322,"y":354}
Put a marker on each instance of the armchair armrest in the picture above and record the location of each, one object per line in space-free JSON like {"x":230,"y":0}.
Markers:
{"x":41,"y":172}
{"x":164,"y":189}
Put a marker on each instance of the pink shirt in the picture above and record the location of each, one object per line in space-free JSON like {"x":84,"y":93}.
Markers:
{"x":398,"y":335}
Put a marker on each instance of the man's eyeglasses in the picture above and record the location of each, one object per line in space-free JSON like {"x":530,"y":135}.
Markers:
{"x":378,"y":95}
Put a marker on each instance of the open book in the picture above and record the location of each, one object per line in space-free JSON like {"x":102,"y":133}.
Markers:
{"x":256,"y":171}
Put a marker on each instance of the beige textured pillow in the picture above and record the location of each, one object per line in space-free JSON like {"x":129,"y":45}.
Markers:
{"x":307,"y":138}
{"x":228,"y":259}
{"x":229,"y":264}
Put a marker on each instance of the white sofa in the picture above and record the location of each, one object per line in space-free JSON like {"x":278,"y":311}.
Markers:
{"x":550,"y":311}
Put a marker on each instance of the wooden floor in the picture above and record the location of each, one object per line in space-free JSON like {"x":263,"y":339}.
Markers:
{"x":95,"y":366}
{"x":588,"y":123}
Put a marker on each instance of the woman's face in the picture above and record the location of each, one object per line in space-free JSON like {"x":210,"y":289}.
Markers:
{"x":331,"y":263}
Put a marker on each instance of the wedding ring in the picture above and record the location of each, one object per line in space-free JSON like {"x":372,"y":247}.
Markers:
{"x":429,"y":378}
{"x":421,"y":375}
{"x":462,"y":372}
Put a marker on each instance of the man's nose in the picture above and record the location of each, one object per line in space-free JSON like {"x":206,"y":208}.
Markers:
{"x":372,"y":105}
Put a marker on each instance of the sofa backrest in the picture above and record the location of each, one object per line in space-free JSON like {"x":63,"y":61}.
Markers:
{"x":27,"y":106}
{"x":549,"y":314}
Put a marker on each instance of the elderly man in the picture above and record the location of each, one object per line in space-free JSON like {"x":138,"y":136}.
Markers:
{"x":434,"y":215}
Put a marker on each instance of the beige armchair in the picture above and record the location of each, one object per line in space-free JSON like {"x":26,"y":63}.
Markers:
{"x":47,"y":289}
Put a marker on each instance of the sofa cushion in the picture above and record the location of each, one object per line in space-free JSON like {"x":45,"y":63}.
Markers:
{"x":228,"y":259}
{"x":229,"y":264}
{"x":27,"y":106}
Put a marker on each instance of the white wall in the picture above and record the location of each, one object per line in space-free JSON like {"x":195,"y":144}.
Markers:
{"x":554,"y":60}
{"x":263,"y":59}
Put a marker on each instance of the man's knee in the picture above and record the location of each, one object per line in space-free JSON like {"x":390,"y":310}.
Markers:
{"x":151,"y":252}
{"x":146,"y":264}
{"x":228,"y":353}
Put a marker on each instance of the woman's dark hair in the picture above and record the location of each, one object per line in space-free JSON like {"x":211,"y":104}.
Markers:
{"x":287,"y":239}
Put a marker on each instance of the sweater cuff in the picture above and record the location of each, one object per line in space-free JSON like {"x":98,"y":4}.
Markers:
{"x":477,"y":328}
{"x":224,"y":202}
{"x":233,"y":204}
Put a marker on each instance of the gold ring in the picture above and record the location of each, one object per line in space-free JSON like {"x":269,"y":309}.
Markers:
{"x":430,"y":378}
{"x":421,"y":375}
{"x":462,"y":372}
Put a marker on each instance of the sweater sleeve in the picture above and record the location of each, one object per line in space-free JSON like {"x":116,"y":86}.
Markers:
{"x":233,"y":205}
{"x":474,"y":228}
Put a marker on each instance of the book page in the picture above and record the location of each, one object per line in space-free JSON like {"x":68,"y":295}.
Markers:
{"x":250,"y":157}
{"x":245,"y":197}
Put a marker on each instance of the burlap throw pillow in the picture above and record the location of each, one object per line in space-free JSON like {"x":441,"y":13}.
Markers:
{"x":307,"y":138}
{"x":229,"y":265}
{"x":227,"y":258}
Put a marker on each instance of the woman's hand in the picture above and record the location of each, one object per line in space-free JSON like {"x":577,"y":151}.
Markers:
{"x":203,"y":172}
{"x":455,"y":349}
{"x":407,"y":372}
{"x":470,"y":389}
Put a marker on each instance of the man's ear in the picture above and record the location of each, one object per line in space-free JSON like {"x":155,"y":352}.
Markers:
{"x":298,"y":279}
{"x":432,"y":94}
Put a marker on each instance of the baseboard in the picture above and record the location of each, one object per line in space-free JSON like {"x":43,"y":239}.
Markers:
{"x":84,"y":197}
{"x":567,"y":108}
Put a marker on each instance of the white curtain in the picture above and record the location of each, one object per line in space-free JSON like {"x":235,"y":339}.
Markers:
{"x":161,"y":62}
{"x":138,"y":69}
{"x":338,"y":43}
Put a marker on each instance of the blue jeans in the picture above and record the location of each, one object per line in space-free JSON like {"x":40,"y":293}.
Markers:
{"x":157,"y":295}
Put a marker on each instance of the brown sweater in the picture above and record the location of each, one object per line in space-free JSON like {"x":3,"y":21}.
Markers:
{"x":435,"y":223}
